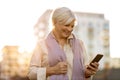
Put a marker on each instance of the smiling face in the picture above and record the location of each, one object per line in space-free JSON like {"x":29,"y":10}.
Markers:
{"x":64,"y":31}
{"x":63,"y":21}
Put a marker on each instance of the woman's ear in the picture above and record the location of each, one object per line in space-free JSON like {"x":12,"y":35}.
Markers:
{"x":55,"y":23}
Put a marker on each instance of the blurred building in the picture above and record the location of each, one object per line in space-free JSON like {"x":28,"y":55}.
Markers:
{"x":115,"y":62}
{"x":92,"y":28}
{"x":41,"y":28}
{"x":14,"y":63}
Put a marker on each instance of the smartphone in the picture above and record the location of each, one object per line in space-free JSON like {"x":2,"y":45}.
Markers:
{"x":97,"y":58}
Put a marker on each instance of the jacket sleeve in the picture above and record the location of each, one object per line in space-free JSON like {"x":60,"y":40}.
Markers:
{"x":37,"y":67}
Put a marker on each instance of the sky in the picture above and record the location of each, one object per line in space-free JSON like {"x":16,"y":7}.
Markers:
{"x":17,"y":18}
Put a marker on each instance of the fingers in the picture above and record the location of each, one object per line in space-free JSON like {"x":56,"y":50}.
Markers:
{"x":93,"y":72}
{"x":89,"y":72}
{"x":61,"y":68}
{"x":63,"y":64}
{"x":92,"y":68}
{"x":95,"y":64}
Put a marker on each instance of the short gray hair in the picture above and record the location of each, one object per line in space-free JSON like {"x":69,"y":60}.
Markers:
{"x":62,"y":15}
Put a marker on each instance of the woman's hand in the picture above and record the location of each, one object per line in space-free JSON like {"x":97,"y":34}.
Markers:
{"x":91,"y":69}
{"x":59,"y":68}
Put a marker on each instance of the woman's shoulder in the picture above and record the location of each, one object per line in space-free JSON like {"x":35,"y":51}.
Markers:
{"x":74,"y":36}
{"x":42,"y":45}
{"x":80,"y":41}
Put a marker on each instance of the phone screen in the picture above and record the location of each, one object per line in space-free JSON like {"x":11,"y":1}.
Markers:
{"x":97,"y":58}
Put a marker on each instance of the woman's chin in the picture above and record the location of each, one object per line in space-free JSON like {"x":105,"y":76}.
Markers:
{"x":66,"y":36}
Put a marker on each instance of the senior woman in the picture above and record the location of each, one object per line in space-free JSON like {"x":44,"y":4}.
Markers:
{"x":61,"y":56}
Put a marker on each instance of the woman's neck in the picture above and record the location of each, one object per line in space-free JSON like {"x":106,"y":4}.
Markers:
{"x":62,"y":41}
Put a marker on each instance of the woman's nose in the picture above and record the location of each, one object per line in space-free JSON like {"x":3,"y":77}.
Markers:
{"x":70,"y":29}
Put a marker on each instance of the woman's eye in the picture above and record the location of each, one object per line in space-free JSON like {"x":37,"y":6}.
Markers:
{"x":72,"y":26}
{"x":67,"y":25}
